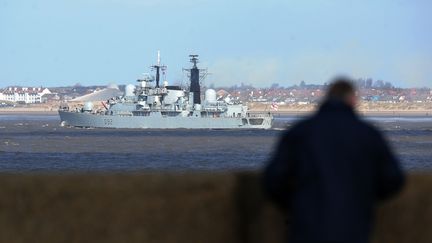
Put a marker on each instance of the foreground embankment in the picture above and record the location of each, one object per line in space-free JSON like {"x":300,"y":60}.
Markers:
{"x":174,"y":208}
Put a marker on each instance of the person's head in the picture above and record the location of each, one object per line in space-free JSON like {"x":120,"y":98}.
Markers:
{"x":342,"y":89}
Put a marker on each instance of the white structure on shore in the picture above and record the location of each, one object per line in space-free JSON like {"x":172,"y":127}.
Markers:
{"x":23,"y":94}
{"x":110,"y":91}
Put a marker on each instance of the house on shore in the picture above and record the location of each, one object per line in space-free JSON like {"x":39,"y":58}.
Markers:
{"x":23,"y":94}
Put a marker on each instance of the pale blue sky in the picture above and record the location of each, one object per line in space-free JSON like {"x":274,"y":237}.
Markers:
{"x":55,"y":42}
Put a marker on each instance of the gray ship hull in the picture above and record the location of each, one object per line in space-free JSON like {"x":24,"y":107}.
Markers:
{"x":157,"y":121}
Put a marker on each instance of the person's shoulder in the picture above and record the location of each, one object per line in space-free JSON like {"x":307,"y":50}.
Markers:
{"x":368,"y":128}
{"x":298,"y":127}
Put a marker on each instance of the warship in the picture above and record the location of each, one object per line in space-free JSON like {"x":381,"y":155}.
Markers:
{"x":150,"y":105}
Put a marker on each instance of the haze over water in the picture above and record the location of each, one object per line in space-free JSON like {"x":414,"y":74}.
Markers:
{"x":37,"y":143}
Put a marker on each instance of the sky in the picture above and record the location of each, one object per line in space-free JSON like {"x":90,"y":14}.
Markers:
{"x":96,"y":42}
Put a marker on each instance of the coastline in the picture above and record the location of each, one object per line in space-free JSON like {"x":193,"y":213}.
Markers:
{"x":27,"y":111}
{"x":364,"y":109}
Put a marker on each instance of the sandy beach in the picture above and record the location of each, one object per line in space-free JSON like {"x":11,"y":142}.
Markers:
{"x":364,"y":108}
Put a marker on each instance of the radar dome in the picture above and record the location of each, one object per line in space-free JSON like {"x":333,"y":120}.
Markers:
{"x":210,"y":95}
{"x":88,"y":106}
{"x":129,"y":90}
{"x":227,"y":99}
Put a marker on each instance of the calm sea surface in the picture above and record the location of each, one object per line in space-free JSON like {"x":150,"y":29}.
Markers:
{"x":38,"y":143}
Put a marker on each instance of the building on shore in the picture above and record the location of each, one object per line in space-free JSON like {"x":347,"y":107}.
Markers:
{"x":23,"y":94}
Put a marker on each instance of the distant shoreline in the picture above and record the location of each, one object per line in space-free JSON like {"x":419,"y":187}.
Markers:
{"x":364,"y":108}
{"x":27,"y":111}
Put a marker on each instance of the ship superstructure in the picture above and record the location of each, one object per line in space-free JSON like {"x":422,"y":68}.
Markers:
{"x":151,"y":105}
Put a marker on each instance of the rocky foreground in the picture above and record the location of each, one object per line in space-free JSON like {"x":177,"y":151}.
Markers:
{"x":161,"y":207}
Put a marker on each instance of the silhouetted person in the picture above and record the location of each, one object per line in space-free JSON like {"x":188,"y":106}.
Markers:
{"x":329,"y":171}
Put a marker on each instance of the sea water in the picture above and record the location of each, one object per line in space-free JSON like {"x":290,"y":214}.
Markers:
{"x":38,"y":143}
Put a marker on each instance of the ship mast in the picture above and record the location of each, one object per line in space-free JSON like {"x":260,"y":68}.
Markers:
{"x":158,"y":67}
{"x":195,"y":75}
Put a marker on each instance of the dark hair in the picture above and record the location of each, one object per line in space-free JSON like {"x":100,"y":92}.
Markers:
{"x":340,"y":88}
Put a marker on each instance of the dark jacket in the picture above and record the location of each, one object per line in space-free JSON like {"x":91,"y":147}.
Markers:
{"x":328,"y":172}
